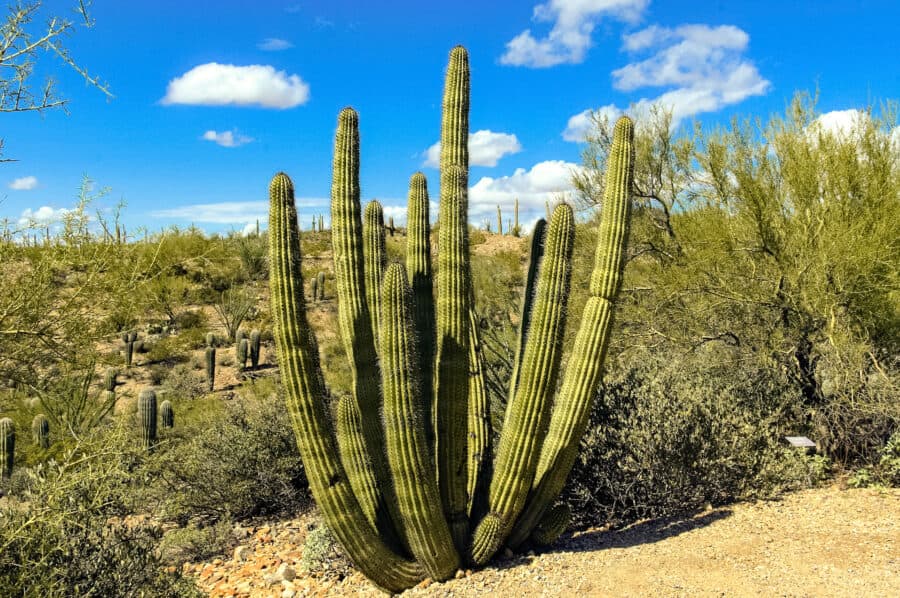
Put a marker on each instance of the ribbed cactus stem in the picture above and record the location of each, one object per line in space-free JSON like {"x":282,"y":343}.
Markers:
{"x":110,"y":379}
{"x":452,"y":361}
{"x":553,"y":524}
{"x":499,"y":221}
{"x":321,"y":286}
{"x":304,"y":394}
{"x":243,"y":352}
{"x":167,"y":414}
{"x":7,"y":447}
{"x":535,"y":255}
{"x":479,"y":444}
{"x":418,"y":265}
{"x":40,"y":431}
{"x":408,"y":453}
{"x":321,"y":223}
{"x":147,"y":417}
{"x":210,"y":368}
{"x":573,"y":405}
{"x":375,"y":261}
{"x":515,"y":230}
{"x":455,"y":115}
{"x":352,"y":447}
{"x":254,"y":348}
{"x":525,"y":423}
{"x":129,"y":352}
{"x":238,"y":337}
{"x":314,"y":289}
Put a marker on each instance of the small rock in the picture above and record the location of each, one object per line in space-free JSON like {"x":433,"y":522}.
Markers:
{"x":507,"y":553}
{"x":459,"y":574}
{"x":286,"y":572}
{"x":288,"y":594}
{"x":424,"y":583}
{"x":241,"y":553}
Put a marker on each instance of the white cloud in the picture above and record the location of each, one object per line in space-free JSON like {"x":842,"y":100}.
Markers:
{"x":237,"y":212}
{"x":43,"y":215}
{"x":249,"y":229}
{"x":274,"y":44}
{"x":214,"y":84}
{"x":544,"y":182}
{"x":704,"y":66}
{"x":839,"y":123}
{"x":579,"y":124}
{"x":26,"y":183}
{"x":570,"y":38}
{"x":485,"y":148}
{"x":226,"y":138}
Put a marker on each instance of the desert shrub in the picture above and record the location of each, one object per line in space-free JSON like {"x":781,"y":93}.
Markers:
{"x":885,"y":471}
{"x":193,"y":543}
{"x":239,"y":464}
{"x":173,"y":348}
{"x":72,"y":534}
{"x":254,"y":259}
{"x":190,"y":319}
{"x":322,"y":555}
{"x":183,"y":382}
{"x":670,"y":436}
{"x":234,"y":306}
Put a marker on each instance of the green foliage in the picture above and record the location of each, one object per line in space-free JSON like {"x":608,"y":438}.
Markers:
{"x":194,"y":544}
{"x":885,"y":471}
{"x":322,"y":555}
{"x":234,"y":306}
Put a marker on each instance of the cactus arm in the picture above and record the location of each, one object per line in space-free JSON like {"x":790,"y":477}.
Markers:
{"x":582,"y":377}
{"x":355,"y":459}
{"x":455,"y":114}
{"x":535,"y":255}
{"x":321,"y":280}
{"x":418,"y":264}
{"x":304,"y":396}
{"x":375,"y":261}
{"x":552,"y":525}
{"x":451,"y":364}
{"x":254,"y":348}
{"x":479,"y":445}
{"x":408,"y":453}
{"x":525,"y":423}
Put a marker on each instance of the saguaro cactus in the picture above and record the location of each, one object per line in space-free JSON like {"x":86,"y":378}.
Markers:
{"x":321,"y":286}
{"x":375,"y":260}
{"x":408,"y":470}
{"x":129,"y":339}
{"x":147,"y":417}
{"x":516,"y":231}
{"x":243,"y":352}
{"x":40,"y":431}
{"x":167,"y":414}
{"x":314,"y":289}
{"x":254,"y":348}
{"x":499,"y":221}
{"x":7,"y":446}
{"x":210,"y":368}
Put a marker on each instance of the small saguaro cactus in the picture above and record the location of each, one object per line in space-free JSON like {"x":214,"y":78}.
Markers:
{"x":210,"y":339}
{"x":166,"y":414}
{"x":243,"y":351}
{"x":321,"y":223}
{"x":147,"y":417}
{"x":314,"y":288}
{"x":7,"y":446}
{"x":499,"y":220}
{"x":516,"y":231}
{"x":391,"y":225}
{"x":110,"y":379}
{"x":40,"y":431}
{"x":254,"y":349}
{"x":210,"y":368}
{"x":406,"y":476}
{"x":321,"y":286}
{"x":129,"y":339}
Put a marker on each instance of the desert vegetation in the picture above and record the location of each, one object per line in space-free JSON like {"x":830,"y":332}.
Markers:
{"x":440,"y":392}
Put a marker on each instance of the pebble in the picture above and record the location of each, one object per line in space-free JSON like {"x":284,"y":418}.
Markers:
{"x":241,"y":553}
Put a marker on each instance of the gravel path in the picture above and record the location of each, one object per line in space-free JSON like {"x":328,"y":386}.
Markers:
{"x":823,"y":542}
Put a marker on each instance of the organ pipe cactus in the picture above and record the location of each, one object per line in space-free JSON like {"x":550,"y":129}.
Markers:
{"x":210,"y":367}
{"x":254,"y":348}
{"x":166,"y":414}
{"x":7,"y":446}
{"x":147,"y":417}
{"x":40,"y":431}
{"x":405,"y":482}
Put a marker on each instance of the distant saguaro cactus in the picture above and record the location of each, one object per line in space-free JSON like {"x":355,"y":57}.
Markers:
{"x":516,"y":231}
{"x":7,"y":446}
{"x":499,"y":220}
{"x":314,"y":289}
{"x":254,"y":348}
{"x":166,"y":414}
{"x":243,"y":352}
{"x":210,"y":368}
{"x":321,"y":286}
{"x":110,"y":379}
{"x":129,"y":339}
{"x":40,"y":431}
{"x":147,"y":417}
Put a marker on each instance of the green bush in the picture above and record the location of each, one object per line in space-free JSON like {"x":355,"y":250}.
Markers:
{"x":323,"y":556}
{"x":193,"y":544}
{"x":71,"y":533}
{"x":667,"y":437}
{"x":183,"y":382}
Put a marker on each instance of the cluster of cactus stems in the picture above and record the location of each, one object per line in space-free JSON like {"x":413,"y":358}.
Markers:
{"x":410,"y":483}
{"x":40,"y":431}
{"x":7,"y":446}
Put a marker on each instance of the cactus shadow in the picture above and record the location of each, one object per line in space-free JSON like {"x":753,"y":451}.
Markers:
{"x":644,"y":532}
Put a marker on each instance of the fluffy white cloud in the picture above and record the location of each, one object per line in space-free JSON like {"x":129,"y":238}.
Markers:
{"x":235,"y":212}
{"x":839,"y":122}
{"x":705,"y":67}
{"x":570,"y":37}
{"x":214,"y":84}
{"x":227,"y":138}
{"x":544,"y":182}
{"x":485,"y":148}
{"x":42,"y":215}
{"x":274,"y":44}
{"x":579,"y":124}
{"x":25,"y":183}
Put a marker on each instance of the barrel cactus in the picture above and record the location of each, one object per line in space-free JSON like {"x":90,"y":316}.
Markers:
{"x":7,"y":446}
{"x":40,"y":431}
{"x":403,"y":475}
{"x":254,"y":348}
{"x":147,"y":417}
{"x":166,"y":414}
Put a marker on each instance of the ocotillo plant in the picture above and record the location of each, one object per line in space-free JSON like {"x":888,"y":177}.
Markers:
{"x":7,"y":446}
{"x":166,"y":414}
{"x":254,"y":349}
{"x":210,"y":367}
{"x":40,"y":431}
{"x":147,"y":417}
{"x":397,"y":481}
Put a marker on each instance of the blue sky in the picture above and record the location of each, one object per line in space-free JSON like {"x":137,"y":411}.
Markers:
{"x":213,"y":97}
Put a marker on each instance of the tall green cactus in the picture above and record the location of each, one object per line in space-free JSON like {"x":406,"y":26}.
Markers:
{"x":147,"y":417}
{"x":409,"y":470}
{"x":167,"y":414}
{"x":375,"y":257}
{"x":40,"y":431}
{"x":210,"y":368}
{"x":254,"y":348}
{"x":7,"y":447}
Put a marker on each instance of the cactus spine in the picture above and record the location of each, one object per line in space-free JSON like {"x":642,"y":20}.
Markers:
{"x":40,"y":431}
{"x":376,"y":485}
{"x":254,"y":348}
{"x":147,"y":417}
{"x":7,"y":447}
{"x":210,"y":368}
{"x":375,"y":260}
{"x":166,"y":414}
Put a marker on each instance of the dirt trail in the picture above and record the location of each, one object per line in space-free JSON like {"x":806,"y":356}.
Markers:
{"x":823,"y":542}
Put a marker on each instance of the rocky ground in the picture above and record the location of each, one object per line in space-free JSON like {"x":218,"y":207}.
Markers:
{"x":824,"y":542}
